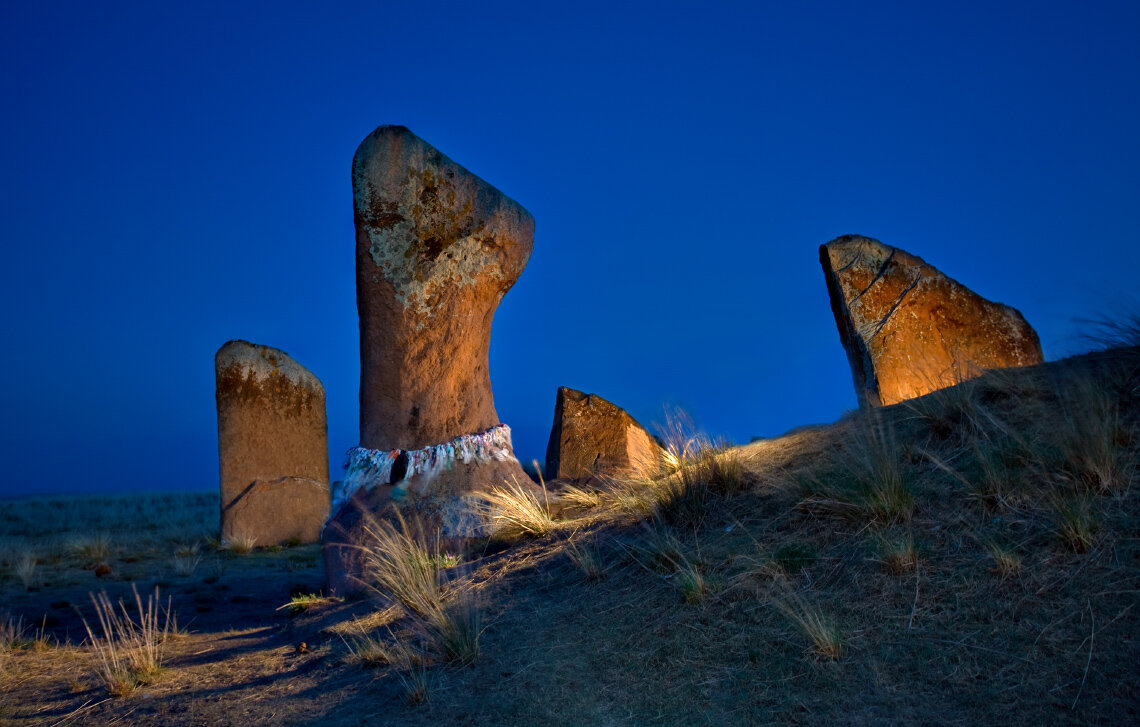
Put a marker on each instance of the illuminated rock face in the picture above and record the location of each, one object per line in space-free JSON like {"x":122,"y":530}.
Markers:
{"x":908,"y":329}
{"x":437,"y":248}
{"x":593,"y":437}
{"x":272,"y":446}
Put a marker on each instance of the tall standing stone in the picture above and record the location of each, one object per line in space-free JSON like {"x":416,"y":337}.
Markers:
{"x":437,"y":248}
{"x":272,"y":446}
{"x":592,"y":436}
{"x":908,"y":329}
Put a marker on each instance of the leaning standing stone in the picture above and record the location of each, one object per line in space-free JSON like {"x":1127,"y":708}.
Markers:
{"x":908,"y":329}
{"x":272,"y":445}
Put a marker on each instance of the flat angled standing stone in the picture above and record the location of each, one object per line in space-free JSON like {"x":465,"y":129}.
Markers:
{"x":272,"y":446}
{"x":908,"y":329}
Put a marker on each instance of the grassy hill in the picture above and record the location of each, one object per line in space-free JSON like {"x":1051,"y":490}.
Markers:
{"x":969,"y":557}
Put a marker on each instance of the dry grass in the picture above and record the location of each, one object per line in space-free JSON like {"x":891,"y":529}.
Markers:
{"x":582,"y":498}
{"x":1092,"y":437}
{"x":13,"y":631}
{"x":27,"y":572}
{"x":695,"y":472}
{"x":899,"y":554}
{"x":517,"y":509}
{"x":820,"y":629}
{"x":1075,"y":519}
{"x":400,"y":568}
{"x":1007,"y":560}
{"x":186,"y":560}
{"x":129,"y":650}
{"x":866,"y":474}
{"x":95,"y":547}
{"x":583,"y":553}
{"x":240,"y":544}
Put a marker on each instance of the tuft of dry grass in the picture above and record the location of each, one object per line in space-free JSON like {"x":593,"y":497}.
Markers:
{"x":694,"y":471}
{"x":95,"y":547}
{"x":1113,"y":331}
{"x":27,"y":572}
{"x":691,"y":582}
{"x":660,"y":551}
{"x":581,"y":498}
{"x":1075,"y":519}
{"x":186,"y":560}
{"x":129,"y":650}
{"x":518,"y":510}
{"x":820,"y":629}
{"x":370,"y":650}
{"x":400,"y":569}
{"x":13,"y":631}
{"x":865,"y":474}
{"x":1007,"y":560}
{"x":583,"y":553}
{"x":899,"y":554}
{"x":240,"y":544}
{"x":1092,"y":436}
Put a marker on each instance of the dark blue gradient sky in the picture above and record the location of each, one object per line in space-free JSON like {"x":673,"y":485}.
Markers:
{"x":177,"y":175}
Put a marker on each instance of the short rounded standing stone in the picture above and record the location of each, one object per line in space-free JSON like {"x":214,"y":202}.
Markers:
{"x":272,"y":446}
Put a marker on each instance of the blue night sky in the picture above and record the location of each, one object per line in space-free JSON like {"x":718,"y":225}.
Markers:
{"x":177,"y":175}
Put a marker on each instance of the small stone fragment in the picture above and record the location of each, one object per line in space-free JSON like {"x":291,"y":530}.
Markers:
{"x":593,"y":437}
{"x":908,"y":329}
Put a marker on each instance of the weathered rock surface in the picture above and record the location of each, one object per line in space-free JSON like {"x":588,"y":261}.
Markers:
{"x":592,"y":436}
{"x":437,"y":248}
{"x":908,"y":329}
{"x":278,"y":510}
{"x":272,"y":445}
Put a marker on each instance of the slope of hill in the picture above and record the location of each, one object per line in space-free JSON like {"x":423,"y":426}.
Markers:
{"x":972,"y":556}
